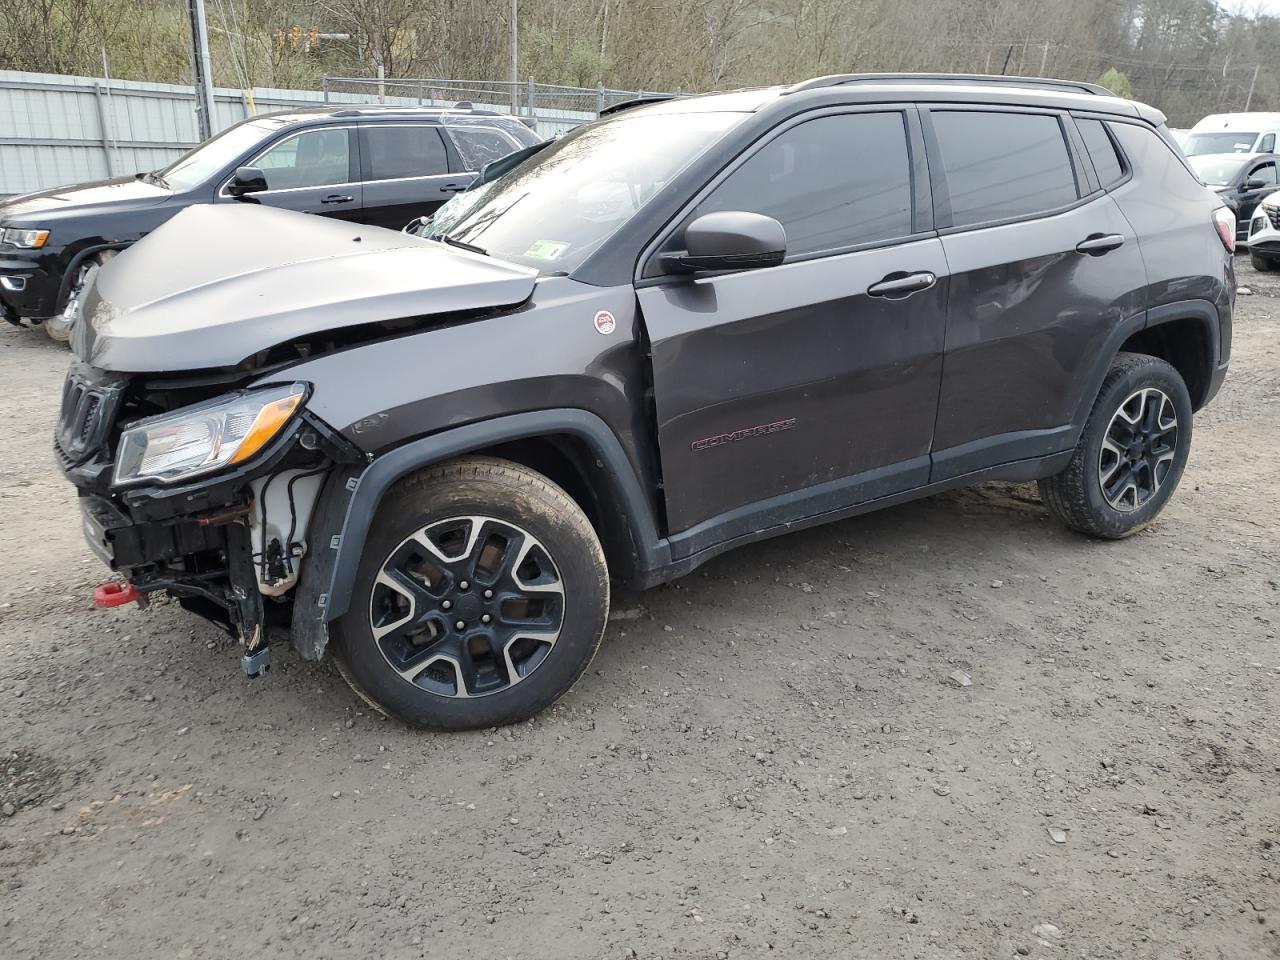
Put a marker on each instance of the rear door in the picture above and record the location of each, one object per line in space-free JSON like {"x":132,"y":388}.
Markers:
{"x":406,"y":172}
{"x":790,"y":391}
{"x":312,"y":171}
{"x":1043,"y":267}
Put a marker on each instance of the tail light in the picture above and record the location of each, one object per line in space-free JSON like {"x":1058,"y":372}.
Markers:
{"x":1224,"y":221}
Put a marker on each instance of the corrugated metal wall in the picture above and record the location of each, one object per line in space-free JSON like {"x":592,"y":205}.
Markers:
{"x":56,"y":129}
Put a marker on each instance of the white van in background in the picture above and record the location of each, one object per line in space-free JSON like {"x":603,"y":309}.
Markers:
{"x":1233,"y":133}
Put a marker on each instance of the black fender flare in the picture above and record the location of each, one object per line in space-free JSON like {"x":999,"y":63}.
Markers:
{"x":1201,"y":310}
{"x":351,"y":497}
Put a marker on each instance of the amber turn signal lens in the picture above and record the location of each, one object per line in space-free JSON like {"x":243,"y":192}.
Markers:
{"x":266,"y":425}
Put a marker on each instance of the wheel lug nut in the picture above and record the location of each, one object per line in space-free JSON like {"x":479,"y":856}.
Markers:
{"x":486,"y":618}
{"x":463,"y":585}
{"x":460,"y":624}
{"x":448,"y":604}
{"x":488,"y":594}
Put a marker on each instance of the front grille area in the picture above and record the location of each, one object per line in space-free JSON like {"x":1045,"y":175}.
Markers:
{"x":1273,"y":214}
{"x":89,"y":404}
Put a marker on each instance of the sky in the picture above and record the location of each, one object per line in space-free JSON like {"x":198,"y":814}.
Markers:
{"x":1252,"y":7}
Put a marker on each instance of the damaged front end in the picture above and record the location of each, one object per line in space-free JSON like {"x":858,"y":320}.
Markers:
{"x":200,"y":486}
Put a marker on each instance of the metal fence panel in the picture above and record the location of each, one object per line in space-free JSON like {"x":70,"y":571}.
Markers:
{"x":57,"y":129}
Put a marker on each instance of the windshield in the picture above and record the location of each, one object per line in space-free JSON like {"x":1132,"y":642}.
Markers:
{"x":1216,"y":171}
{"x":558,"y":206}
{"x":1234,"y":142}
{"x":194,"y":168}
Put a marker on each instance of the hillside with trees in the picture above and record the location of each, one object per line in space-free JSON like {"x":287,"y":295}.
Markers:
{"x":1189,"y":57}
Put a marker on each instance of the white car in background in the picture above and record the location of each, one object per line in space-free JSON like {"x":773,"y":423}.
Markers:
{"x":1233,"y":133}
{"x":1264,"y":234}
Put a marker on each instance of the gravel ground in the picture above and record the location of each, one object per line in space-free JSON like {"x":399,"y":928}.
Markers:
{"x":949,"y":729}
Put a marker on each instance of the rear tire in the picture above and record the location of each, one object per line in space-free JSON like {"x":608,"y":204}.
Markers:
{"x":1131,"y":453}
{"x":481,"y":597}
{"x":1260,"y":263}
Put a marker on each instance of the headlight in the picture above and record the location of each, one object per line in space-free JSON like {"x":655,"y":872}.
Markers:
{"x":206,"y":436}
{"x":27,"y":239}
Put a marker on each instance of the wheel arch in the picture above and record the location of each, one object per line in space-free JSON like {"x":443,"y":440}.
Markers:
{"x":574,"y":448}
{"x":74,"y":264}
{"x":1184,"y":335}
{"x":1162,"y":331}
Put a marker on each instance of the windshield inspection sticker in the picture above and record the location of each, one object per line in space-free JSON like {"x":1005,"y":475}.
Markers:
{"x":546,"y":249}
{"x":605,"y":322}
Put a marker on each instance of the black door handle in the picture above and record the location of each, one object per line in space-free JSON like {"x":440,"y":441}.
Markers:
{"x":337,"y":198}
{"x":1096,"y":244}
{"x":900,"y":285}
{"x":453,"y":188}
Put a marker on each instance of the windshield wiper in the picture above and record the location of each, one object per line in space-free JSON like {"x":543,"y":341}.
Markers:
{"x":460,"y":244}
{"x":152,"y":177}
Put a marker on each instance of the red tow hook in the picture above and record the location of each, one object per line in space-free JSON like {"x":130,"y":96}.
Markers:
{"x":115,"y":594}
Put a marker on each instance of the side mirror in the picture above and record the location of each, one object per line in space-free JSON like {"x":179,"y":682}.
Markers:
{"x":247,"y":180}
{"x":1254,"y":183}
{"x":729,"y":240}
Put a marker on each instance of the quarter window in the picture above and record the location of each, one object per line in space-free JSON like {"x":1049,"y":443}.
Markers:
{"x":1102,"y":151}
{"x":316,"y":158}
{"x":478,"y":147}
{"x":1003,"y":165}
{"x":832,"y":182}
{"x":396,"y":152}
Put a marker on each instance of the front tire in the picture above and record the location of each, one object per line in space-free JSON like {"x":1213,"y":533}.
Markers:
{"x":1131,"y":453}
{"x":481,"y":597}
{"x":1260,"y":263}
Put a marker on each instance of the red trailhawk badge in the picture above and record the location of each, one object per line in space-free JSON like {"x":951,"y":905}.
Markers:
{"x":605,"y":322}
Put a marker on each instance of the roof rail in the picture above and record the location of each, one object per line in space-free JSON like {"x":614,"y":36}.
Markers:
{"x":1071,"y":86}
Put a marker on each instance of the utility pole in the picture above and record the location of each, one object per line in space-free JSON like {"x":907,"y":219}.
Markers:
{"x":1249,"y":99}
{"x":515,"y":50}
{"x":203,"y":71}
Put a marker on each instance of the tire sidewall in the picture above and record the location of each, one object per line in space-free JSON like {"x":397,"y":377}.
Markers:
{"x":1151,"y":373}
{"x":578,"y":559}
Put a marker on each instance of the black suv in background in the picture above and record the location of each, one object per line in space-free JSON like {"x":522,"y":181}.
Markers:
{"x":377,"y":165}
{"x":678,"y":329}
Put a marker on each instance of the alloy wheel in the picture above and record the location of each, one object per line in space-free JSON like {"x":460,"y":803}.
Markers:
{"x":467,"y":606}
{"x":1138,"y":449}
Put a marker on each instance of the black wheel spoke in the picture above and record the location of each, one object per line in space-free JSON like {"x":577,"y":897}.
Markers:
{"x":467,"y":606}
{"x":1137,"y":449}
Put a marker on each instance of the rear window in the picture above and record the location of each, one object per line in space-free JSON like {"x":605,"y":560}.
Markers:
{"x":1003,"y":165}
{"x":1102,"y":152}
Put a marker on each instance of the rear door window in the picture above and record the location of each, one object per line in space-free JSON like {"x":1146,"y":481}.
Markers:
{"x":832,"y":182}
{"x":401,"y":151}
{"x":1102,"y":152}
{"x":1001,"y":166}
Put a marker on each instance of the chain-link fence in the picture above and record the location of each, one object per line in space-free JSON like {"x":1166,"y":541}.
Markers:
{"x":554,"y":107}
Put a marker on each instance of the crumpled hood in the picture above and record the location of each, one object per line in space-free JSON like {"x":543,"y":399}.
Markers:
{"x":219,"y":283}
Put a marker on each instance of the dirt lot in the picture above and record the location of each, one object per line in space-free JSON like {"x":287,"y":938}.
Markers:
{"x":778,"y":754}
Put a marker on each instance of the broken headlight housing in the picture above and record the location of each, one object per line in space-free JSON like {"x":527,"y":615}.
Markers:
{"x":204,"y":437}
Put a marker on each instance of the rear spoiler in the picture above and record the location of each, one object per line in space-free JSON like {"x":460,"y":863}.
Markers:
{"x":636,"y":102}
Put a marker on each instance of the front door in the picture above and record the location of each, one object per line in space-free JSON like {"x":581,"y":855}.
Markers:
{"x":1044,"y":267}
{"x":794,"y":390}
{"x":314,"y":171}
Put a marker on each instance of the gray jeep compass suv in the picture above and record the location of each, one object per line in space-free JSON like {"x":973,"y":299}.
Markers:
{"x":681,"y":328}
